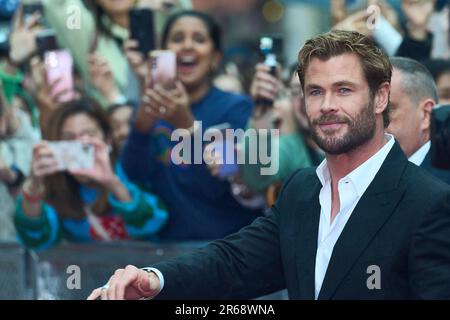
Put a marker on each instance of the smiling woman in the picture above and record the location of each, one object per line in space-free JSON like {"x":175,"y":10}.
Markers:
{"x":201,"y":206}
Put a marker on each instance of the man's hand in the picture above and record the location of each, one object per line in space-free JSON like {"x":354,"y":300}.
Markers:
{"x":130,"y":283}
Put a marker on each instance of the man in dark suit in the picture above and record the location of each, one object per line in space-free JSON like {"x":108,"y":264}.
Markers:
{"x":365,"y":224}
{"x":413,"y":97}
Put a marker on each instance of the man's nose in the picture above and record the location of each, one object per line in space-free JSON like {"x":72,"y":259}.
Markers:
{"x":328,"y":104}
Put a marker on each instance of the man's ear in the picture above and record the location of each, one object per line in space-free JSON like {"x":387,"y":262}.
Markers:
{"x":382,"y":97}
{"x":425,"y":109}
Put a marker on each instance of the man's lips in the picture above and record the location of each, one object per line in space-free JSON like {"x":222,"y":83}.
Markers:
{"x":330,"y":125}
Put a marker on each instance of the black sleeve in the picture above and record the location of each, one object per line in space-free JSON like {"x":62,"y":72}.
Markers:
{"x":418,"y":50}
{"x":430,"y":253}
{"x":244,"y":265}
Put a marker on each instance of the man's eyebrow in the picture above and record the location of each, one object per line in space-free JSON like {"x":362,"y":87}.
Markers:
{"x":344,"y":83}
{"x":313,"y":86}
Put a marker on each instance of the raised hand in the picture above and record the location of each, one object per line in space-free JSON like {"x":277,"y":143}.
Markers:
{"x":23,"y":37}
{"x":172,"y":106}
{"x":102,"y":78}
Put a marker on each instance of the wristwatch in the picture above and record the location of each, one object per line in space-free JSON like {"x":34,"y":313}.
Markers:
{"x":20,"y":177}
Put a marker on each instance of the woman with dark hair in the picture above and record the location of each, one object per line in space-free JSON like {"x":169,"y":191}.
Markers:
{"x":201,"y":206}
{"x":82,"y":205}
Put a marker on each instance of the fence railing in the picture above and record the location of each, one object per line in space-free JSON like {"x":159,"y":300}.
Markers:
{"x":71,"y":272}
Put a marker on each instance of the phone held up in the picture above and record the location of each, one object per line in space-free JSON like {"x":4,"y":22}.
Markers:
{"x":73,"y":155}
{"x":58,"y":66}
{"x":270,"y":48}
{"x":142,"y":29}
{"x":163,"y":68}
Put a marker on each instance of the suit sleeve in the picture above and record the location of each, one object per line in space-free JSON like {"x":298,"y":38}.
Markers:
{"x":244,"y":265}
{"x":430,"y":253}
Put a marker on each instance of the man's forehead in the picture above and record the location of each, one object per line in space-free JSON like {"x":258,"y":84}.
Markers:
{"x":343,"y":67}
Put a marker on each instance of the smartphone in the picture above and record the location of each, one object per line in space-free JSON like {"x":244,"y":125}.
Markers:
{"x":163,"y":68}
{"x":226,"y":148}
{"x":58,"y":66}
{"x":270,"y":49}
{"x":46,"y":41}
{"x":142,"y":29}
{"x":72,"y":155}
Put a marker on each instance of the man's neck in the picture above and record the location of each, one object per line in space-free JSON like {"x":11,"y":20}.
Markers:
{"x":341,"y":165}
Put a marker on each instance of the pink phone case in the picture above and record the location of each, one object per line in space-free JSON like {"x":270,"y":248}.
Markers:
{"x":58,"y":65}
{"x":163,"y":68}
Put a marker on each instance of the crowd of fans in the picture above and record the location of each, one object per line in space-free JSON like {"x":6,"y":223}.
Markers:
{"x":134,"y":190}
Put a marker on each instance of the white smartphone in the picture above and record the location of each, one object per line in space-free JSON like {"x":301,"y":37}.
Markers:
{"x":73,"y":155}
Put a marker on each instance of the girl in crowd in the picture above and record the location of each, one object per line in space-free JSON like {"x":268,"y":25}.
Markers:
{"x":82,"y":205}
{"x":200,"y":205}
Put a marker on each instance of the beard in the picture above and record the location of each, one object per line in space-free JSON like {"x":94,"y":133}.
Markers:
{"x":360,"y":130}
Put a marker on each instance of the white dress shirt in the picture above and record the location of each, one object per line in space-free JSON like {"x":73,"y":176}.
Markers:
{"x":418,"y":156}
{"x":351,"y":189}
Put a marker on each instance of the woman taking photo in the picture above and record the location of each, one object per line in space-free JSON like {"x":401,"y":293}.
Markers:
{"x":82,"y":205}
{"x":200,"y":205}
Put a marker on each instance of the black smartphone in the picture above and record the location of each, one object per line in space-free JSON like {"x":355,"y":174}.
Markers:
{"x":142,"y":29}
{"x":46,"y":41}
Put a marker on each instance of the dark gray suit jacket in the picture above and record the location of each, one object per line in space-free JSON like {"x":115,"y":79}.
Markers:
{"x":401,"y":225}
{"x":443,"y":175}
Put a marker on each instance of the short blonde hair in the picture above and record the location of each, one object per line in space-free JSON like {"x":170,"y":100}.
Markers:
{"x":374,"y":62}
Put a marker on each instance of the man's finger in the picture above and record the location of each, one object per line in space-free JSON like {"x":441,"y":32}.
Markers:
{"x":95,"y":294}
{"x":129,"y":275}
{"x":111,"y":292}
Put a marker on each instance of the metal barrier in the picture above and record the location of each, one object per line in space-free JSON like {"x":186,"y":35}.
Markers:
{"x":52,"y":274}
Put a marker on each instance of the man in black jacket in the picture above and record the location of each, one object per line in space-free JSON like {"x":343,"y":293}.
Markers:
{"x":413,"y":97}
{"x":365,"y":224}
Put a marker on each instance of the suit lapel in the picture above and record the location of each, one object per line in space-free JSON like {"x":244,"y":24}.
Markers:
{"x":373,"y":210}
{"x":308,"y":209}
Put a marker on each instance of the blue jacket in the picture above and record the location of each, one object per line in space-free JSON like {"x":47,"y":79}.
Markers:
{"x":200,"y":206}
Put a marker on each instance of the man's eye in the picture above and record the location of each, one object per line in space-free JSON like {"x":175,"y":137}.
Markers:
{"x":314,"y":92}
{"x":344,"y":90}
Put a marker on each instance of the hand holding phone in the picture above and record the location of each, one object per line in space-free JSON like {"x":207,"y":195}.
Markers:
{"x":58,"y":66}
